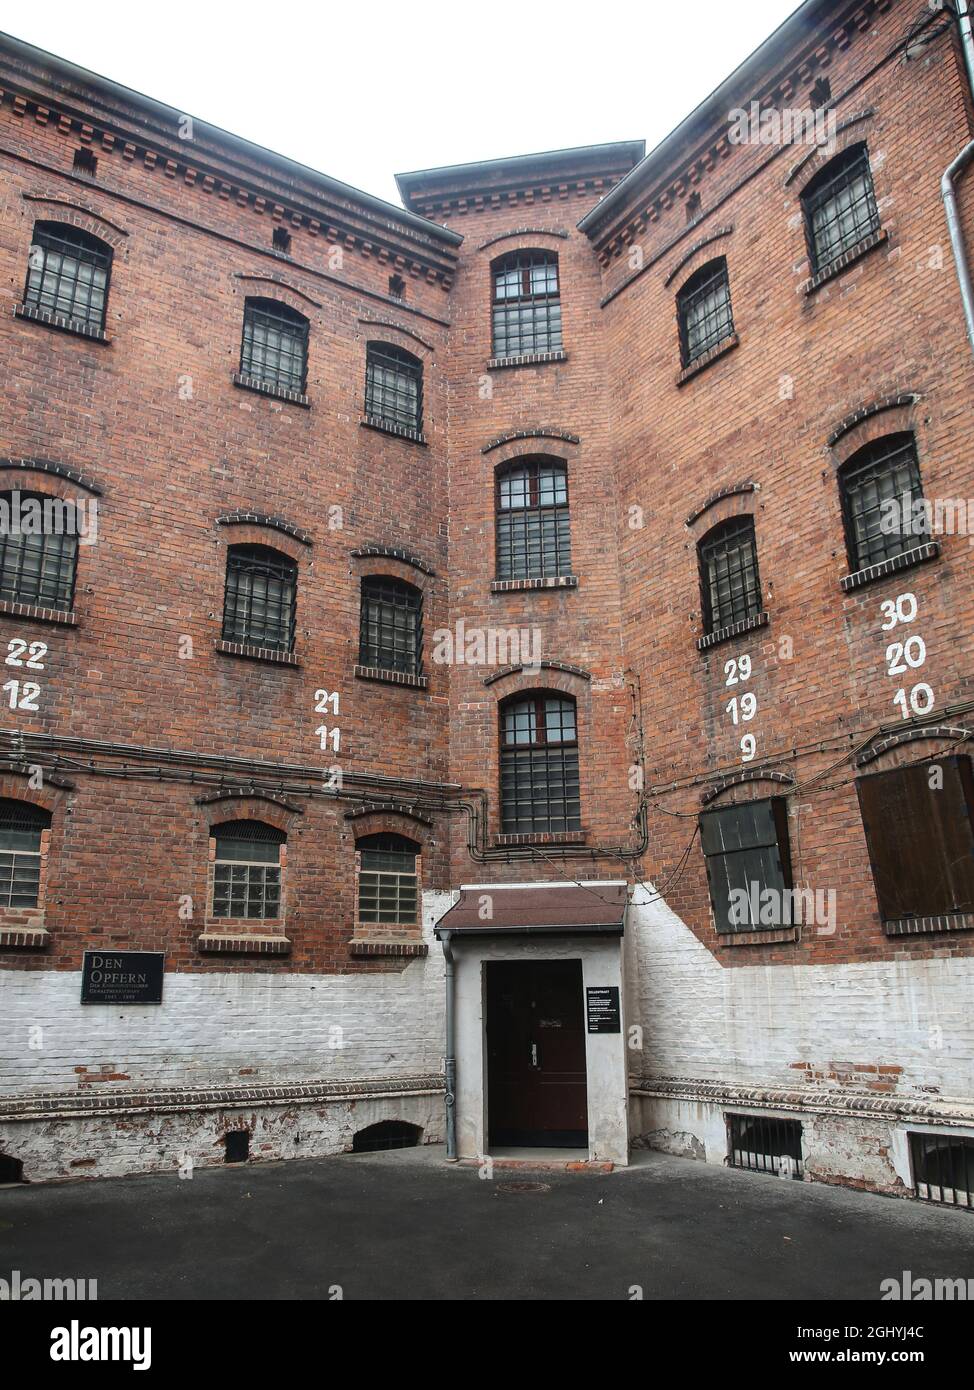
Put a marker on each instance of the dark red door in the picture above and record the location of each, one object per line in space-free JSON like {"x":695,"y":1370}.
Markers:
{"x":536,"y":1091}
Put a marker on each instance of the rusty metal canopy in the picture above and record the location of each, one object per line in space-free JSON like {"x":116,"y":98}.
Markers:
{"x":487,"y":910}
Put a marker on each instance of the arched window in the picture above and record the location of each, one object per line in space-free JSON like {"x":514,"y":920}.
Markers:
{"x":388,"y":885}
{"x":539,"y":763}
{"x":880,"y":487}
{"x":704,"y":310}
{"x":729,"y":581}
{"x":394,"y":387}
{"x":21,"y":826}
{"x":275,"y":345}
{"x":38,"y":550}
{"x":247,"y":871}
{"x":533,"y":537}
{"x":260,"y":599}
{"x":840,"y":207}
{"x":526,"y":305}
{"x":67,"y":273}
{"x":391,"y":625}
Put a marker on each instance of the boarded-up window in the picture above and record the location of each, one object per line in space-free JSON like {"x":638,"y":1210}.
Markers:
{"x":918,"y":824}
{"x":748,"y":865}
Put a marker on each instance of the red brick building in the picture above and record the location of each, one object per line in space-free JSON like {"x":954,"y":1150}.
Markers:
{"x":525,"y":634}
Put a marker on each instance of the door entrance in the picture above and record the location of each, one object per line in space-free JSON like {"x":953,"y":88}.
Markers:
{"x":536,"y":1085}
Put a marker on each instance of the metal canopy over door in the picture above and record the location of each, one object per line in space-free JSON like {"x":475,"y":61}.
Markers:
{"x":536,"y":1084}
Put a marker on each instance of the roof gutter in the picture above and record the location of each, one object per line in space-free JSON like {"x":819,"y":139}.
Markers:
{"x":948,"y":183}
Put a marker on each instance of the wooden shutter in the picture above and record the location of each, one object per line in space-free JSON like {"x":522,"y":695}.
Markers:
{"x":920,"y":838}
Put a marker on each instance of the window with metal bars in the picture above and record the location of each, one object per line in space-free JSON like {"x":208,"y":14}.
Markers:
{"x":67,"y":273}
{"x":730,"y":584}
{"x":920,"y":835}
{"x":394,"y":387}
{"x":388,"y":885}
{"x":943,"y":1168}
{"x":260,"y":600}
{"x":539,"y":781}
{"x":36,"y":566}
{"x":533,"y":538}
{"x":526,"y":304}
{"x":21,"y":826}
{"x":879,"y":486}
{"x":274,"y":350}
{"x":247,"y":871}
{"x":840,"y":207}
{"x":765,"y":1144}
{"x":747,"y":853}
{"x":391,"y":626}
{"x":704,"y":311}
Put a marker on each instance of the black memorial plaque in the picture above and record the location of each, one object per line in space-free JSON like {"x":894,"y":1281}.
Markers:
{"x":122,"y":977}
{"x":602,"y":1007}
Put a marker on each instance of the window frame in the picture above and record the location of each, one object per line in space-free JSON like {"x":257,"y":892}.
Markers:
{"x":882,"y":449}
{"x":555,"y":559}
{"x":270,"y":559}
{"x":719,"y":619}
{"x":257,"y":307}
{"x":775,"y":809}
{"x":695,"y":289}
{"x":34,"y":819}
{"x":365,"y":876}
{"x":274,"y":837}
{"x":842,"y":165}
{"x":523,"y":303}
{"x":95,"y":252}
{"x":390,"y":358}
{"x":546,"y":811}
{"x":407,"y":665}
{"x":64,"y":552}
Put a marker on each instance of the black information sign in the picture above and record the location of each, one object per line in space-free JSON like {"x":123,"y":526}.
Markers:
{"x":602,"y":1006}
{"x":122,"y":977}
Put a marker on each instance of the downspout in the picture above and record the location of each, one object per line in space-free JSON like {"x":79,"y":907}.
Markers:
{"x":952,"y":173}
{"x":450,"y":1063}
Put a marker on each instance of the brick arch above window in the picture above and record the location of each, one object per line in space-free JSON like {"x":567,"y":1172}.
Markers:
{"x":744,"y":780}
{"x":15,"y":786}
{"x":78,"y":214}
{"x":392,"y":332}
{"x":247,"y":805}
{"x":516,"y":441}
{"x":731,"y":490}
{"x":738,"y":499}
{"x":848,"y":132}
{"x":900,"y":748}
{"x":555,"y":676}
{"x":238,"y":533}
{"x":524,"y":237}
{"x":258,"y":520}
{"x":378,"y":562}
{"x":893,"y":414}
{"x":379,"y":820}
{"x":683,"y":265}
{"x":45,"y":475}
{"x":257,"y":286}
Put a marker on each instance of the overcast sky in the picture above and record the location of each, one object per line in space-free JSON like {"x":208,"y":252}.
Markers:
{"x":365,"y":91}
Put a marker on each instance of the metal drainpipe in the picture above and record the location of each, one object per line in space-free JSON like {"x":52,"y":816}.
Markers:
{"x":450,"y":1064}
{"x":947,"y":188}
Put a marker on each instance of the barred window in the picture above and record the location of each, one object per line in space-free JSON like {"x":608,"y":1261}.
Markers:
{"x":38,"y":557}
{"x":247,"y":872}
{"x":539,"y":764}
{"x":275,"y":345}
{"x":729,"y":580}
{"x":704,"y":311}
{"x":533,"y":538}
{"x":21,"y":826}
{"x":880,"y":487}
{"x":748,"y":865}
{"x":391,"y":626}
{"x":920,"y":834}
{"x":388,"y":885}
{"x":394,"y":387}
{"x":840,"y":207}
{"x":527,"y":307}
{"x":67,"y":273}
{"x":259,"y":604}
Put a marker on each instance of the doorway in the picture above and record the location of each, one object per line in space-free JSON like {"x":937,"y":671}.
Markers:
{"x":536,"y":1080}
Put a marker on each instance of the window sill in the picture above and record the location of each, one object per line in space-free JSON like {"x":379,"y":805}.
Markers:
{"x":34,"y":614}
{"x":379,"y":673}
{"x":78,"y":327}
{"x":725,"y":634}
{"x":256,"y":653}
{"x":854,"y":253}
{"x":940,"y":922}
{"x":24,"y":938}
{"x":517,"y":586}
{"x":373,"y":422}
{"x":774,"y":936}
{"x":930,"y":550}
{"x":700,"y":364}
{"x":364,"y":947}
{"x":243,"y":944}
{"x":265,"y":388}
{"x":541,"y":837}
{"x":526,"y":359}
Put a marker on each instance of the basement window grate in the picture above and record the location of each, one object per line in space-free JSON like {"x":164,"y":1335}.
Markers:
{"x":766,"y":1145}
{"x":11,"y":1169}
{"x":387,"y":1134}
{"x":943,"y":1169}
{"x":237,"y":1146}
